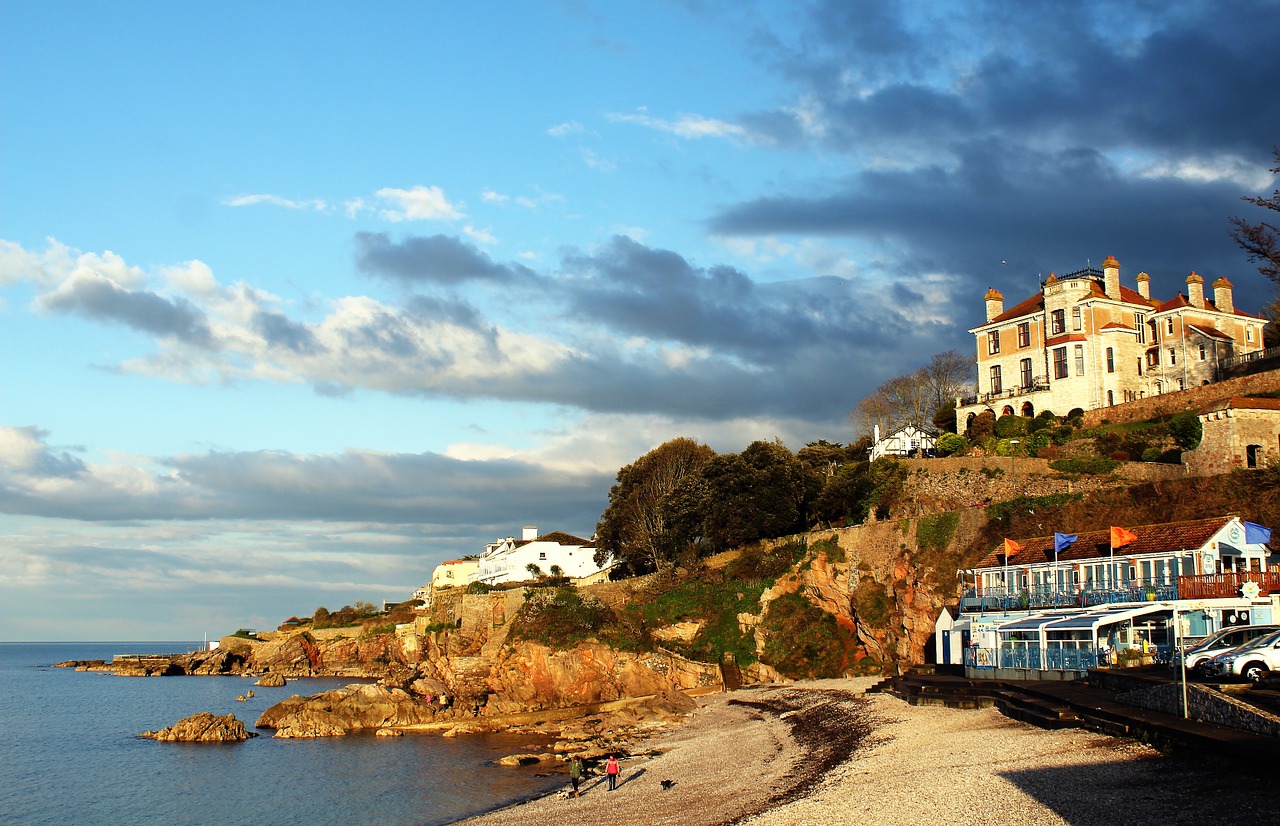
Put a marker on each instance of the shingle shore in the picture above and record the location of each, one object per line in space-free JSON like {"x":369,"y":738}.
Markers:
{"x":818,"y":753}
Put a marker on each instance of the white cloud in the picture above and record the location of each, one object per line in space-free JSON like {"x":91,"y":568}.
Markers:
{"x":561,"y":130}
{"x":685,"y":126}
{"x":421,"y":203}
{"x":491,"y":197}
{"x":594,"y":161}
{"x":1199,"y":170}
{"x":483,"y":236}
{"x":276,"y":200}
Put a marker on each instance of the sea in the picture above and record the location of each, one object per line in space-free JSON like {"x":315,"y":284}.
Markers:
{"x":70,"y":753}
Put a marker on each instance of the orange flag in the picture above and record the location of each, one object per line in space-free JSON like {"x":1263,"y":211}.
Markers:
{"x":1009,"y":548}
{"x":1121,"y":537}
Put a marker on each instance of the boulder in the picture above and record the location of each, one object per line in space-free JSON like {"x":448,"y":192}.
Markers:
{"x":343,"y":710}
{"x":203,"y":728}
{"x":271,"y":680}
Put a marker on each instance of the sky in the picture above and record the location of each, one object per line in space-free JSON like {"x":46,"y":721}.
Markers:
{"x":298,"y":300}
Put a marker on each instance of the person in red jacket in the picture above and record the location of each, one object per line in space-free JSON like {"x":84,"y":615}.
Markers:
{"x":611,"y":770}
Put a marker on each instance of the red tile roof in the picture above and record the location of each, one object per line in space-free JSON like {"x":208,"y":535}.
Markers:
{"x":1210,"y":332}
{"x":1160,"y":538}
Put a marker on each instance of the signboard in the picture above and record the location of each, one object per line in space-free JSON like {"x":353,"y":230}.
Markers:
{"x":1232,"y":618}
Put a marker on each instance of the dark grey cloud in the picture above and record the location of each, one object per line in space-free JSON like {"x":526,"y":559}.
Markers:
{"x":435,"y":259}
{"x":280,"y":331}
{"x":142,"y":310}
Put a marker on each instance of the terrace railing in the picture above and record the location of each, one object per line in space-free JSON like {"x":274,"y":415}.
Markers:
{"x":1217,"y":586}
{"x":1077,"y":596}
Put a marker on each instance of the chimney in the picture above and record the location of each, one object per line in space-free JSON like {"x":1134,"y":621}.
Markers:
{"x":1111,"y":277}
{"x":995,"y":303}
{"x":1222,"y":295}
{"x":1144,"y":285}
{"x":528,"y":533}
{"x":1195,"y":290}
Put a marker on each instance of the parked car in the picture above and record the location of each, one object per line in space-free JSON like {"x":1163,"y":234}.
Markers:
{"x":1199,"y":655}
{"x":1253,"y":661}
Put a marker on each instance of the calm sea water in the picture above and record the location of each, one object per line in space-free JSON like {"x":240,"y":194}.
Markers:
{"x":69,"y":753}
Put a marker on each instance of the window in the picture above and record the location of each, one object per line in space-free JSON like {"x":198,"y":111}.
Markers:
{"x":1248,"y":334}
{"x":1139,"y":365}
{"x":1024,"y":334}
{"x":1111,"y":397}
{"x":1202,"y":352}
{"x":993,"y":342}
{"x":1251,"y":455}
{"x":1058,"y":324}
{"x":1153,"y":357}
{"x":1168,"y":325}
{"x":1140,"y":324}
{"x":1076,"y":322}
{"x":1079,"y":359}
{"x":1059,"y":362}
{"x":1111,"y":359}
{"x":1025,"y":364}
{"x":1155,"y":330}
{"x":542,"y":554}
{"x":996,"y":386}
{"x":1173,"y":356}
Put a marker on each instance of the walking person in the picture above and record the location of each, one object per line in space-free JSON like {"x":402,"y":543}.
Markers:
{"x":611,"y":769}
{"x":575,"y":773}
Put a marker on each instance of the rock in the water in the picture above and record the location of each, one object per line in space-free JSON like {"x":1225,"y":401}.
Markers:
{"x":344,"y":710}
{"x":203,"y":728}
{"x":271,"y":681}
{"x":389,"y":732}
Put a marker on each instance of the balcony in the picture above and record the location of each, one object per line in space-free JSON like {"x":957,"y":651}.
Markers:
{"x":1219,"y":586}
{"x":1038,"y":384}
{"x":1210,"y":586}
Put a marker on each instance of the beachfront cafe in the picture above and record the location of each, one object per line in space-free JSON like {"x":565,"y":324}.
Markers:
{"x":1053,"y":607}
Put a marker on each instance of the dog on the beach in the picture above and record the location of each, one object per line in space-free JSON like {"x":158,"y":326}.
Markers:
{"x":667,"y":784}
{"x":563,"y":794}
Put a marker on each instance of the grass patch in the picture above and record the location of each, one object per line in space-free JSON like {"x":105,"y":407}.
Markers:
{"x":717,"y":604}
{"x":802,"y":640}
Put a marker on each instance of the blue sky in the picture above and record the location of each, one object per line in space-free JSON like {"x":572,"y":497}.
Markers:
{"x":298,"y":300}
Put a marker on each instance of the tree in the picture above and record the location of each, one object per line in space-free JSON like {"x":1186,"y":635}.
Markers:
{"x":761,"y":493}
{"x":534,"y":570}
{"x":636,"y":526}
{"x":1260,"y":240}
{"x":917,"y":398}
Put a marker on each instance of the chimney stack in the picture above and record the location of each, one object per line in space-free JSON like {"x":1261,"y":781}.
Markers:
{"x":1111,"y":277}
{"x":1222,"y":296}
{"x":1195,"y":290}
{"x":995,"y":303}
{"x":528,"y":533}
{"x":1144,"y":285}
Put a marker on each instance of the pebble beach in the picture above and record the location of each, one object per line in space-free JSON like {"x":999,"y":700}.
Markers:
{"x":825,"y":754}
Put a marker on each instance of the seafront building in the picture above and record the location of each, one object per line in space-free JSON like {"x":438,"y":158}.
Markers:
{"x":1055,"y":606}
{"x":1085,"y":341}
{"x":515,"y":560}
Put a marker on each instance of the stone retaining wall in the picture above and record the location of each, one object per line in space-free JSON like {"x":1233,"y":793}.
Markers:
{"x":1193,"y":398}
{"x":1203,"y":704}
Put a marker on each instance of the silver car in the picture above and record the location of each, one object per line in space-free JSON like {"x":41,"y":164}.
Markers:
{"x":1198,"y":656}
{"x":1224,"y":665}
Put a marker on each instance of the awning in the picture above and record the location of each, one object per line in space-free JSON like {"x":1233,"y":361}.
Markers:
{"x":1096,"y":619}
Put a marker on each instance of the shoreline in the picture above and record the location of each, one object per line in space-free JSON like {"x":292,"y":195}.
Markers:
{"x":822,"y":752}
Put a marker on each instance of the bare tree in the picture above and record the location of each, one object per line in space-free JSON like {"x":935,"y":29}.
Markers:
{"x":914,"y":398}
{"x":1260,"y":240}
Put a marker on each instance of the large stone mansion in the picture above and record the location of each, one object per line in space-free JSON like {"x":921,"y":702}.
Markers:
{"x":1085,"y":342}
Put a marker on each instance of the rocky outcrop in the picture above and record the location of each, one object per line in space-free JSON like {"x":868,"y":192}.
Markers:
{"x":345,"y":710}
{"x":203,"y":728}
{"x":271,"y":680}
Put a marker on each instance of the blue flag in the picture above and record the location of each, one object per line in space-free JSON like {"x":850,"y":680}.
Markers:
{"x":1062,"y":541}
{"x":1255,"y":534}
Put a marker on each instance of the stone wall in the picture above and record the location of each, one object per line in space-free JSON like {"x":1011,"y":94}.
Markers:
{"x":1227,"y":436}
{"x":1193,"y":398}
{"x":1203,"y":704}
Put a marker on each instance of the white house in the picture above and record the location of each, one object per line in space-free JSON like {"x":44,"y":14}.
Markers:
{"x":508,"y":560}
{"x":907,"y":440}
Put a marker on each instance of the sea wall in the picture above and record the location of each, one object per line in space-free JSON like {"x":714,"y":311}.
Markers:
{"x":1204,"y":704}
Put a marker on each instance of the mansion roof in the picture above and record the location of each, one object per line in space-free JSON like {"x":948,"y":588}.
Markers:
{"x":558,"y":537}
{"x":1164,"y":537}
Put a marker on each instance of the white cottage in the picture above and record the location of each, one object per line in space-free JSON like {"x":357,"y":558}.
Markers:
{"x":508,"y":560}
{"x":908,"y":440}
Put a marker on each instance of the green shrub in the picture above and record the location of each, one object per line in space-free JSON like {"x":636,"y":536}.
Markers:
{"x":1003,"y":512}
{"x":562,"y":617}
{"x":1062,"y":435}
{"x":872,"y":604}
{"x":936,"y":531}
{"x":1085,"y":465}
{"x":1151,"y":454}
{"x":1186,"y":430}
{"x":1010,"y":426}
{"x":802,"y":640}
{"x":717,"y":604}
{"x":479,"y":588}
{"x":949,"y":444}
